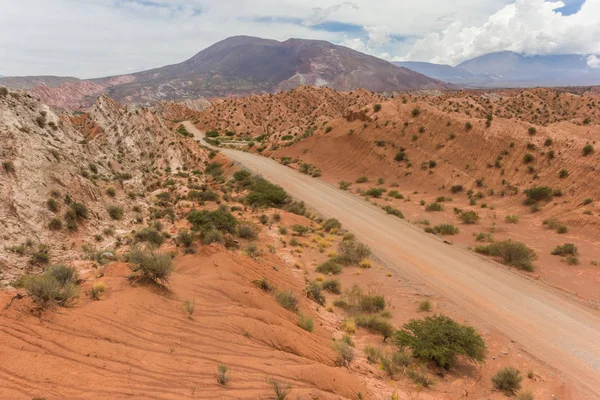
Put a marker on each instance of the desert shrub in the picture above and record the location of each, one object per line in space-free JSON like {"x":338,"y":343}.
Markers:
{"x":508,"y":380}
{"x":52,"y":205}
{"x":538,"y":193}
{"x":511,"y":219}
{"x":344,"y":351}
{"x":115,"y":212}
{"x":305,"y":322}
{"x":562,"y":229}
{"x":565,"y":249}
{"x":96,"y":291}
{"x":330,"y":224}
{"x":435,"y":206}
{"x":587,"y":201}
{"x":200,"y":196}
{"x":352,"y":252}
{"x":374,"y":192}
{"x":468,"y":126}
{"x":63,"y":274}
{"x":425,"y":306}
{"x":362,"y":179}
{"x":265,"y":194}
{"x":300,"y":229}
{"x":445,"y":229}
{"x":185,"y":238}
{"x":393,"y":211}
{"x":212,"y":236}
{"x":287,"y":300}
{"x":377,"y":107}
{"x":419,"y":378}
{"x":563,"y":173}
{"x":222,"y":372}
{"x":296,"y":207}
{"x":375,"y":324}
{"x":441,"y":339}
{"x":281,"y":390}
{"x":373,"y":354}
{"x":220,"y":219}
{"x":58,"y":285}
{"x":456,"y":189}
{"x":111,"y":191}
{"x":371,"y":303}
{"x":247,"y":231}
{"x":400,"y":156}
{"x":80,"y":210}
{"x":528,"y":158}
{"x":344,"y":185}
{"x":415,"y":112}
{"x":395,"y":194}
{"x":55,"y":224}
{"x":332,"y":286}
{"x":469,"y":217}
{"x":587,"y":150}
{"x":314,"y":291}
{"x":150,"y":235}
{"x":329,"y":267}
{"x":531,"y":131}
{"x":264,"y":285}
{"x":524,"y":396}
{"x":512,"y":253}
{"x":150,"y":265}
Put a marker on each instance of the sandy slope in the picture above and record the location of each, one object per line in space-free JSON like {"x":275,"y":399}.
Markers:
{"x":549,"y":325}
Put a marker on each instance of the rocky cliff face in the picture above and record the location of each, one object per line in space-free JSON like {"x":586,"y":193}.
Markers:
{"x":50,"y":160}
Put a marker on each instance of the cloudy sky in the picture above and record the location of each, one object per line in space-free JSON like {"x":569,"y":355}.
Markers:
{"x":93,"y":38}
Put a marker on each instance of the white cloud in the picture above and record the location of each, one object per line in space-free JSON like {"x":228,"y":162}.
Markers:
{"x":90,"y":38}
{"x":526,"y":26}
{"x":593,"y":61}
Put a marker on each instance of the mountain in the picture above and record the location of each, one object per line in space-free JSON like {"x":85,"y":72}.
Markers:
{"x":447,"y":73}
{"x":237,"y":65}
{"x":514,"y":69}
{"x":509,"y":69}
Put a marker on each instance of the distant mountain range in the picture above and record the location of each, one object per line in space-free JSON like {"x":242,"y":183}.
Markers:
{"x":509,"y":69}
{"x":237,"y":65}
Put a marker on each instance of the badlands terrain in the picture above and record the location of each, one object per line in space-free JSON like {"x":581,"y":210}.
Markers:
{"x":140,"y":260}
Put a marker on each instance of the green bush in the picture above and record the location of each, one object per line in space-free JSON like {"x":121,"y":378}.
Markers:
{"x":352,"y":252}
{"x":375,"y":324}
{"x":445,"y":229}
{"x":329,"y":267}
{"x":115,"y":212}
{"x":344,"y":185}
{"x":362,"y":179}
{"x":247,"y":231}
{"x":330,"y":224}
{"x":150,"y":265}
{"x":511,"y":219}
{"x":377,"y":107}
{"x":111,"y":191}
{"x":512,"y":253}
{"x":265,"y":194}
{"x":314,"y":291}
{"x":441,"y":339}
{"x":305,"y":322}
{"x":508,"y":380}
{"x":469,"y":217}
{"x":205,"y":195}
{"x":55,"y":224}
{"x":58,"y":285}
{"x":345,"y":352}
{"x":185,"y":238}
{"x":567,"y":248}
{"x":300,"y":229}
{"x":375,"y":192}
{"x":332,"y":286}
{"x":212,"y":235}
{"x":80,"y":210}
{"x":393,"y":211}
{"x":587,"y":150}
{"x":435,"y":206}
{"x":538,"y":193}
{"x":371,"y":303}
{"x":400,"y":156}
{"x":456,"y":189}
{"x":150,"y":235}
{"x":220,"y":219}
{"x":287,"y":300}
{"x":52,"y":205}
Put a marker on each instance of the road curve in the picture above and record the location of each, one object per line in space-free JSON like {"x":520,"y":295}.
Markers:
{"x":549,"y":325}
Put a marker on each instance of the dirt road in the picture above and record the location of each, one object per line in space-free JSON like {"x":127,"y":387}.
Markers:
{"x":549,"y":325}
